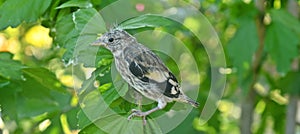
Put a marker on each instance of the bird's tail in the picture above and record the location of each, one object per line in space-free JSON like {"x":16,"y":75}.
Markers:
{"x":186,"y":99}
{"x":193,"y":103}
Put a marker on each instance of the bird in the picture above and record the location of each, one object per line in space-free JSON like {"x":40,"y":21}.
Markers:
{"x":143,"y":70}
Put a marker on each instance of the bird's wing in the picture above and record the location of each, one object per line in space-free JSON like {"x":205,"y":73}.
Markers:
{"x":150,"y":69}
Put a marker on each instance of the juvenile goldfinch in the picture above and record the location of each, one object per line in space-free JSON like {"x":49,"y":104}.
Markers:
{"x":143,"y":70}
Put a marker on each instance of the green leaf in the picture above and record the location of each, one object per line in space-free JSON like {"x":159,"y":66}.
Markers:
{"x":14,"y":12}
{"x":4,"y":82}
{"x":9,"y":68}
{"x":90,"y":100}
{"x":92,"y":129}
{"x":30,"y":92}
{"x":55,"y":126}
{"x":65,"y":30}
{"x":45,"y":78}
{"x":241,"y":10}
{"x":115,"y":123}
{"x":75,"y":3}
{"x":278,"y":113}
{"x":104,"y":57}
{"x":242,"y":47}
{"x":72,"y":118}
{"x":151,"y":21}
{"x":8,"y":101}
{"x":281,"y":43}
{"x":33,"y":89}
{"x":76,"y":32}
{"x":287,"y":19}
{"x":33,"y":107}
{"x":110,"y":90}
{"x":147,"y":20}
{"x":186,"y":126}
{"x":6,"y":56}
{"x":83,"y":120}
{"x":290,"y":83}
{"x":100,"y":4}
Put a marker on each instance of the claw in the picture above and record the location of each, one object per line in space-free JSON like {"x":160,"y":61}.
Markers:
{"x":139,"y":113}
{"x":135,"y":110}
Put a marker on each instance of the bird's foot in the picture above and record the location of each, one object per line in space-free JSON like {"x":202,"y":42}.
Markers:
{"x":139,"y":113}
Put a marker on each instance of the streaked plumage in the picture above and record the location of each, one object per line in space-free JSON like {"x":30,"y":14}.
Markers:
{"x":143,"y":70}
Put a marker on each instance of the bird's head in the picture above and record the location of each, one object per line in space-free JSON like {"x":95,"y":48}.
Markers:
{"x":114,"y":40}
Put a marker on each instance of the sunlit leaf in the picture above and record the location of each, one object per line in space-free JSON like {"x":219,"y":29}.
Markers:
{"x":14,"y":12}
{"x":76,"y":32}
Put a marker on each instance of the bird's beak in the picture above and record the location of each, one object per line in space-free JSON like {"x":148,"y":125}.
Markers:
{"x":99,"y":42}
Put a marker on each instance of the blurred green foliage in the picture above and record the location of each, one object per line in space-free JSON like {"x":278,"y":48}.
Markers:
{"x":40,"y":94}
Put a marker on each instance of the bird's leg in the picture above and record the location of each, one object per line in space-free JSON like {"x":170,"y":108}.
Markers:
{"x":136,"y":95}
{"x":139,"y":113}
{"x":138,"y":98}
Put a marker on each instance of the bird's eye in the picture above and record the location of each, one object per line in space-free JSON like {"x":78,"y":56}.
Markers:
{"x":111,"y":39}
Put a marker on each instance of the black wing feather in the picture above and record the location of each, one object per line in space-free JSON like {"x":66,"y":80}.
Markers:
{"x":138,"y":71}
{"x":141,"y":68}
{"x":169,"y":86}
